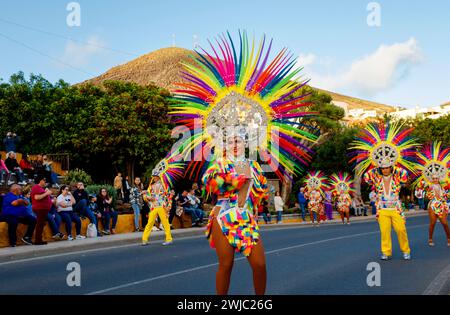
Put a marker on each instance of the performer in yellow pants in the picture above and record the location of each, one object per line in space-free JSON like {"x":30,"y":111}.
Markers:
{"x":388,"y":218}
{"x":161,"y":212}
{"x":388,"y":150}
{"x":157,"y":196}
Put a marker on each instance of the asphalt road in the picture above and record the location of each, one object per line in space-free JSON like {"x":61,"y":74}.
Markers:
{"x":329,"y":259}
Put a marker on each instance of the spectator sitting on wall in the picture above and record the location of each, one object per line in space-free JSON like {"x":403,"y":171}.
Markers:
{"x":13,"y":167}
{"x":263,"y":210}
{"x":82,"y":205}
{"x":198,"y":194}
{"x":194,"y":206}
{"x":93,"y":207}
{"x":185,"y":203}
{"x":65,"y":203}
{"x":15,"y":211}
{"x":359,"y":207}
{"x":26,"y":166}
{"x":11,"y":141}
{"x":104,"y":202}
{"x":53,"y":218}
{"x":4,"y":172}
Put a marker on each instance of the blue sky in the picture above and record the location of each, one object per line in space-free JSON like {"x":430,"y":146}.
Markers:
{"x":405,"y":61}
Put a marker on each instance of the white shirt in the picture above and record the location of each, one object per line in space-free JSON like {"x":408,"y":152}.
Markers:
{"x":419,"y":193}
{"x":67,"y":199}
{"x":279,"y":203}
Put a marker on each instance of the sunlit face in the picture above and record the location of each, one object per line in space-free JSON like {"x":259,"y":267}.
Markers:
{"x":236,"y":146}
{"x":386,"y":171}
{"x":435,"y":180}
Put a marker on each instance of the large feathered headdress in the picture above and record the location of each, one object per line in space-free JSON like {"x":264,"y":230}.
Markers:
{"x":316,"y":180}
{"x":342,"y":182}
{"x":169,"y":170}
{"x":433,"y":161}
{"x":384,"y":145}
{"x":240,"y":91}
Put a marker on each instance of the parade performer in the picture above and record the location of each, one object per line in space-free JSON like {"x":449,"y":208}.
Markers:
{"x":157,"y":196}
{"x":342,"y":186}
{"x":236,"y":102}
{"x":433,"y":163}
{"x":388,"y":152}
{"x":316,"y":185}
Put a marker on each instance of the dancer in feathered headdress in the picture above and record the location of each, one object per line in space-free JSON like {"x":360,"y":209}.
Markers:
{"x":316,"y":184}
{"x":237,"y":99}
{"x":388,"y":152}
{"x":433,"y":164}
{"x":157,"y":196}
{"x":342,"y":186}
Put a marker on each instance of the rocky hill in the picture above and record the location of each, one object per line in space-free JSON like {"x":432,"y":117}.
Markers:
{"x":163,"y":68}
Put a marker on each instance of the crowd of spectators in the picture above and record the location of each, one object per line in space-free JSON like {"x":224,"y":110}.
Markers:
{"x":12,"y":171}
{"x":35,"y":206}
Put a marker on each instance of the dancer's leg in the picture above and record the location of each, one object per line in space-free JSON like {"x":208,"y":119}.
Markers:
{"x":225,"y":255}
{"x":257,"y":261}
{"x":433,"y":219}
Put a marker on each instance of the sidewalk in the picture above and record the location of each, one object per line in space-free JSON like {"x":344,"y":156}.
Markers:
{"x":28,"y":251}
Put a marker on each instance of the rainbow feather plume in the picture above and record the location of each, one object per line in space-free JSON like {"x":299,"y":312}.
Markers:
{"x":376,"y":134}
{"x":435,"y":153}
{"x":172,"y":171}
{"x":341,"y":178}
{"x":320,"y":177}
{"x":246,"y":69}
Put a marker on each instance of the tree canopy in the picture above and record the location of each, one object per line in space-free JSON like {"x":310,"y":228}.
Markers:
{"x":117,"y":126}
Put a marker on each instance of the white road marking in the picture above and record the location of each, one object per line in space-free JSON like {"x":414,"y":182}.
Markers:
{"x":438,"y":283}
{"x":79,"y":252}
{"x":237,"y":259}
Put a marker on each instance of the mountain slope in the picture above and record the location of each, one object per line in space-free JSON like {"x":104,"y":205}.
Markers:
{"x":163,"y":68}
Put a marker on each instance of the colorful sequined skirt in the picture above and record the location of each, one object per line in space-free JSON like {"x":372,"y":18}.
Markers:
{"x":238,"y":226}
{"x":439,"y":207}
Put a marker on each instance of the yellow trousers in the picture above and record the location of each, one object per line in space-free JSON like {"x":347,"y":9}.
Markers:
{"x":387,"y":219}
{"x":151,"y":221}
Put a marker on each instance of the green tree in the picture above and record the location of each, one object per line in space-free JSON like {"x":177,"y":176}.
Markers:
{"x":120,"y":125}
{"x":333,"y":155}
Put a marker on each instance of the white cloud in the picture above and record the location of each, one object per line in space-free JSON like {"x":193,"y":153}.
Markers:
{"x":376,"y":72}
{"x":306,"y":60}
{"x":79,"y":54}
